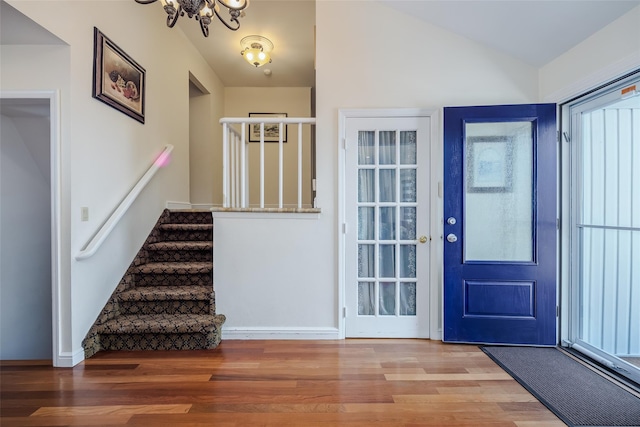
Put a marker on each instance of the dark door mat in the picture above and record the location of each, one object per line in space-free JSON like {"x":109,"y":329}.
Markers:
{"x":575,"y":393}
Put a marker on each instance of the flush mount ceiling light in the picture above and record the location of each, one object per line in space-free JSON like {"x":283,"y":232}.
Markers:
{"x":256,"y":50}
{"x":203,"y":11}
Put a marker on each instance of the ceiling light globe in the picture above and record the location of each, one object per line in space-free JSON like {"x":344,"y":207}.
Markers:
{"x":206,"y":12}
{"x":256,"y":50}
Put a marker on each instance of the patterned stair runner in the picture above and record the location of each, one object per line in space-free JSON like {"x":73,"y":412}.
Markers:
{"x":165,"y":301}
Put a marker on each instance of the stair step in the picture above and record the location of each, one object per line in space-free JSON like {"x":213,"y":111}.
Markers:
{"x":167,"y":293}
{"x":175,"y":268}
{"x":191,"y":216}
{"x":186,"y":227}
{"x":180,"y":246}
{"x":162,"y":324}
{"x":186,"y":232}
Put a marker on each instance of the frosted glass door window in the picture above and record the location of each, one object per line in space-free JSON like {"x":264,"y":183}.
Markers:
{"x":387,"y":204}
{"x":499,"y":210}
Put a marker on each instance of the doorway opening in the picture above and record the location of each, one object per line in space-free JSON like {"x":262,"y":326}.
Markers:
{"x":28,"y":226}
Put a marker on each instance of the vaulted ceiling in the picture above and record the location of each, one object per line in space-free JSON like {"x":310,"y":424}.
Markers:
{"x":535,"y":31}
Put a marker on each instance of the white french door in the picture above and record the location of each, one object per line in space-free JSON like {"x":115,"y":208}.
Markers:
{"x":387,"y":227}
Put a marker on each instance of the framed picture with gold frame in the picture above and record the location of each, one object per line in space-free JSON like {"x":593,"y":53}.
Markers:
{"x":118,"y":80}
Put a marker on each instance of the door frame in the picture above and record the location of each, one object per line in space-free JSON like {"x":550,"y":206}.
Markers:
{"x":435,"y":197}
{"x":59,"y":360}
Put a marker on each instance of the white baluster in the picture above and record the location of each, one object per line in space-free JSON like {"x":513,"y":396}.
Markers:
{"x":280,"y":165}
{"x":225,"y":149}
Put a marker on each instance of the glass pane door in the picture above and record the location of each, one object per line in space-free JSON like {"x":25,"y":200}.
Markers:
{"x":386,"y":232}
{"x":387,"y":188}
{"x":605,"y":228}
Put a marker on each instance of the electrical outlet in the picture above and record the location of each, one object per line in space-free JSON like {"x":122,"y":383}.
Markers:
{"x":84,"y":213}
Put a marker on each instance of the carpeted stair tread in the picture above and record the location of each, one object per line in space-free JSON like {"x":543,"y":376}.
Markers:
{"x":186,"y":227}
{"x":167,"y":293}
{"x":180,"y":246}
{"x":161,"y":324}
{"x":175,"y":268}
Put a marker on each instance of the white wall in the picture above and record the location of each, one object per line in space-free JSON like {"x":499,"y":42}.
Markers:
{"x":271,"y":297}
{"x":296,"y":102}
{"x":608,"y":54}
{"x":294,"y":287}
{"x":25,"y":239}
{"x":270,"y":278}
{"x":205,"y":142}
{"x":450,"y":71}
{"x":103,"y":151}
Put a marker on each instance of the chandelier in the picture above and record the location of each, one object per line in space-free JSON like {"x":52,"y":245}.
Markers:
{"x":203,"y":11}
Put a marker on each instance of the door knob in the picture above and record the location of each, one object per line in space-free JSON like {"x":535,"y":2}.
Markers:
{"x":451,"y":221}
{"x":423,"y":239}
{"x":452,"y":238}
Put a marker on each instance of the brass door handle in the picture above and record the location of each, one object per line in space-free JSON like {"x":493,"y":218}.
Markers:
{"x":423,"y":239}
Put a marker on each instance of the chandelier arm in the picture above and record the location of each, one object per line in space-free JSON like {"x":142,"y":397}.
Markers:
{"x":146,"y":1}
{"x":172,"y":19}
{"x":205,"y":28}
{"x":233,"y":19}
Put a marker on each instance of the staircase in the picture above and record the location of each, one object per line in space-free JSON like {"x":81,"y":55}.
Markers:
{"x":165,"y":301}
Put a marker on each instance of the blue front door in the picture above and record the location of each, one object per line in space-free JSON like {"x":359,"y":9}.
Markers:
{"x":500,"y":224}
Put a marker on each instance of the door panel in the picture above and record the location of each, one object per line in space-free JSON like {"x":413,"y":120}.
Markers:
{"x":500,"y":227}
{"x":387,"y":211}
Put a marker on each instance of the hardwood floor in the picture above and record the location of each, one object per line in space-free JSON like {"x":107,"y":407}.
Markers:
{"x":361,"y":382}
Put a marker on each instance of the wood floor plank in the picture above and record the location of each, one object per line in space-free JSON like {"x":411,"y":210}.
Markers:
{"x":103,"y":421}
{"x":449,"y":377}
{"x":463,"y":398}
{"x":280,"y":383}
{"x":75,"y":411}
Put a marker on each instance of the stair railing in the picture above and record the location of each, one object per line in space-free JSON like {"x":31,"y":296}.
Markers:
{"x":101,"y":235}
{"x":235,"y":158}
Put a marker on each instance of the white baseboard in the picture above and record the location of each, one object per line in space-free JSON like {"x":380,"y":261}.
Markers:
{"x":68,"y":359}
{"x":256,"y":333}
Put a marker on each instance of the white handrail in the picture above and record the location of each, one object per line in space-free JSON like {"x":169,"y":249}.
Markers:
{"x":258,"y":120}
{"x":96,"y":241}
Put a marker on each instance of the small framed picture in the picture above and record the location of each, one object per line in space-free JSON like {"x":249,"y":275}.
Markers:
{"x":271,"y":129}
{"x":489,"y":164}
{"x":118,"y":80}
